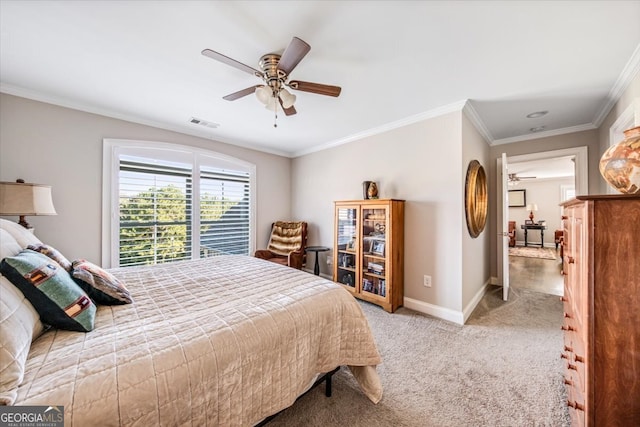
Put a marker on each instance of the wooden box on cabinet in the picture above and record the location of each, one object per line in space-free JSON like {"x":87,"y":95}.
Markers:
{"x":368,"y":256}
{"x":601,"y":354}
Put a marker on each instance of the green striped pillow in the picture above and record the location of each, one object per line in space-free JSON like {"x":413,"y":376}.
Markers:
{"x":50,"y":289}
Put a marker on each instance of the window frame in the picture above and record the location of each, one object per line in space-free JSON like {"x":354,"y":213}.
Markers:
{"x":162,"y":151}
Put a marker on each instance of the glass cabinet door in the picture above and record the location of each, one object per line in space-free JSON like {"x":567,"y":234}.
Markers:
{"x":374,"y":246}
{"x":347,"y":218}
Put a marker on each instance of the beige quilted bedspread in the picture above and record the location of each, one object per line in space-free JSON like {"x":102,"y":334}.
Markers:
{"x":222,"y":341}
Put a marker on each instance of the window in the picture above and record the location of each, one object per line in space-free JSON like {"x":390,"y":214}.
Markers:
{"x":567,"y":192}
{"x":158,"y":194}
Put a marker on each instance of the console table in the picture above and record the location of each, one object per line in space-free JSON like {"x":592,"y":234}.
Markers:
{"x":527,"y":227}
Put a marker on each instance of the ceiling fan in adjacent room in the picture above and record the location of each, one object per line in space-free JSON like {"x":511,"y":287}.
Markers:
{"x":514,"y":179}
{"x":275,"y":71}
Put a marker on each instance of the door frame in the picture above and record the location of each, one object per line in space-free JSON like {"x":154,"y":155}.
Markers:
{"x":581,"y":178}
{"x":581,"y":156}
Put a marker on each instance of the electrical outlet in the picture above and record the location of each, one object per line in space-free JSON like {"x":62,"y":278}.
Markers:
{"x":427,"y":281}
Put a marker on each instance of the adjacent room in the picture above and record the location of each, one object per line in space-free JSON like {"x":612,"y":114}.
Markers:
{"x":320,"y":212}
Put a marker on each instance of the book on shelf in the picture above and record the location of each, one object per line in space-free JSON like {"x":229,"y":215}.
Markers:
{"x":376,"y":268}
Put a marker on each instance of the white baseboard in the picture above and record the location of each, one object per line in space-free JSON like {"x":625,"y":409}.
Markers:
{"x":459,"y":317}
{"x":476,"y":299}
{"x":434,"y":310}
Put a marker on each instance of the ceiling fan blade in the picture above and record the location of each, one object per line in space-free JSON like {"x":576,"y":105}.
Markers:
{"x":239,"y":94}
{"x":292,"y":55}
{"x":229,"y":61}
{"x":287,"y":111}
{"x":318,"y":88}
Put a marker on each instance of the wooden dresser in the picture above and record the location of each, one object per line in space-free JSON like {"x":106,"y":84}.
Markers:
{"x":601,"y":325}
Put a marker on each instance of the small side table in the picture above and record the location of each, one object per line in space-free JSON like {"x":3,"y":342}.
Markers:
{"x":316,"y":249}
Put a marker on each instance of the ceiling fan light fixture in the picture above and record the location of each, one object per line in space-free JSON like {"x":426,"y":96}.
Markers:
{"x":271,"y":104}
{"x":536,"y":114}
{"x":288,"y":99}
{"x":263,"y":93}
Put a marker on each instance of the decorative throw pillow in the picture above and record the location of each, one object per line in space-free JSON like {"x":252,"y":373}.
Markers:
{"x":102,"y":286}
{"x":56,"y":297}
{"x":52,"y":253}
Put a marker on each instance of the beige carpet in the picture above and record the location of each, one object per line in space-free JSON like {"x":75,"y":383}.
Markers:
{"x":533,"y":252}
{"x":501,"y":369}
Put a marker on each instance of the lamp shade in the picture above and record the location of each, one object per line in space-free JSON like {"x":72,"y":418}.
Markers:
{"x":532,"y":207}
{"x":25,"y":199}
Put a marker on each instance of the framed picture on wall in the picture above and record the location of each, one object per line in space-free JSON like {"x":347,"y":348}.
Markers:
{"x":517,"y":198}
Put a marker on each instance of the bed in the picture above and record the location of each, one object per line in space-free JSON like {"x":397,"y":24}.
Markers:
{"x":228,"y":340}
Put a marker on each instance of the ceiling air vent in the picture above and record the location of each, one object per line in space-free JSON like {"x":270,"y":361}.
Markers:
{"x":204,"y":123}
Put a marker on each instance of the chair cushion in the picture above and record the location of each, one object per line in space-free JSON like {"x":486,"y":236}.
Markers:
{"x":286,"y":237}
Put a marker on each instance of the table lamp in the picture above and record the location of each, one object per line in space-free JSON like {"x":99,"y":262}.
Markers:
{"x":21,"y":199}
{"x":532,"y":207}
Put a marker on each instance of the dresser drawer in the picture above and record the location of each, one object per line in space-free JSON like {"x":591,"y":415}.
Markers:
{"x":575,"y":401}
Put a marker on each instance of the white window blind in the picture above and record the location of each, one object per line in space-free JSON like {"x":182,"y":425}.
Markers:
{"x":155,"y":205}
{"x":157,"y":212}
{"x":224,"y":212}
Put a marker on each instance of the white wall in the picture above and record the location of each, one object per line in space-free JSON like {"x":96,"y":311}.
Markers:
{"x":422,"y":163}
{"x":47,"y":144}
{"x":475,"y":254}
{"x":547,"y":194}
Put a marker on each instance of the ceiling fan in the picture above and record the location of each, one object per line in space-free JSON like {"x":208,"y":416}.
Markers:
{"x":513,"y":178}
{"x":274,"y":72}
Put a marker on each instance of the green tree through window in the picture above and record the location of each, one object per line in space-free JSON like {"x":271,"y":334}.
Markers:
{"x":155,"y":225}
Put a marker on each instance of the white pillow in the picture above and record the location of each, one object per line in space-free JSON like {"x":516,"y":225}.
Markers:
{"x":23,"y":236}
{"x":19,"y":325}
{"x":19,"y":321}
{"x":8,"y":245}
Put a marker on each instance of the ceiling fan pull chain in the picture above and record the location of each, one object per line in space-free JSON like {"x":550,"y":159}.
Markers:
{"x":275,"y":116}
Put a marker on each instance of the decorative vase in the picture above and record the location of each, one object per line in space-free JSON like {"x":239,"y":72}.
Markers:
{"x":372,"y":191}
{"x":365,"y":189}
{"x":620,"y":164}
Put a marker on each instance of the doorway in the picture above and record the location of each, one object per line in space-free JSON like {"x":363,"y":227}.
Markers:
{"x":539,"y":274}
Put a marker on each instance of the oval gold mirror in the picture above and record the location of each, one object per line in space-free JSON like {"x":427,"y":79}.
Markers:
{"x":475,"y":198}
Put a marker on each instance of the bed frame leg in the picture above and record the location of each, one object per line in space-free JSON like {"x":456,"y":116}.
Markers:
{"x":327,"y":385}
{"x":327,"y":392}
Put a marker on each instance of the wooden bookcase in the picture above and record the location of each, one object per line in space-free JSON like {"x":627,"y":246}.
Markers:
{"x":368,"y":256}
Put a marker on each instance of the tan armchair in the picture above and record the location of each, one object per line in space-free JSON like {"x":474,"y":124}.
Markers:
{"x":286,"y":244}
{"x":512,"y":233}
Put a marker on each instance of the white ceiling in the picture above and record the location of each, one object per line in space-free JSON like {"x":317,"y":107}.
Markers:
{"x":396,"y":62}
{"x":559,"y":167}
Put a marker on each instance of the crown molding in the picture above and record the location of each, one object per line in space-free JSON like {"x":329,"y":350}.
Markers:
{"x":440,"y":111}
{"x":475,"y":119}
{"x":538,"y":135}
{"x":66,"y":103}
{"x":624,"y":80}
